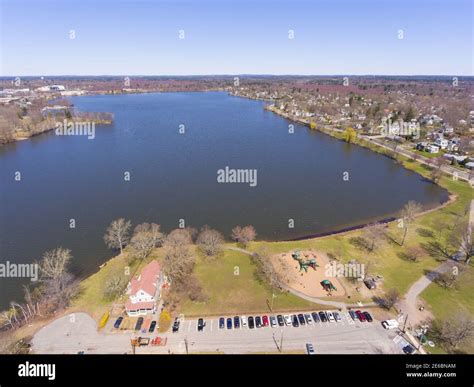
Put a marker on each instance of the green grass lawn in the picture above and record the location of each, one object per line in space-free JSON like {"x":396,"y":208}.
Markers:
{"x":446,"y":303}
{"x":231,"y":286}
{"x":91,"y":296}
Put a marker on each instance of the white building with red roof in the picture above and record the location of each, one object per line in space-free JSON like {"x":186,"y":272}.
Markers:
{"x":144,"y":290}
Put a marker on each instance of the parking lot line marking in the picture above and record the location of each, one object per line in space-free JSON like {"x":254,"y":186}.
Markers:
{"x":189,"y":326}
{"x":212,"y":323}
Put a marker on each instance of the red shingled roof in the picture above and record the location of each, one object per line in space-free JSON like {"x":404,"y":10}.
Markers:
{"x":147,"y":279}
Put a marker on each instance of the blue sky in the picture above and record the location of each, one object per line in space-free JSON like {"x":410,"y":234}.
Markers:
{"x":236,"y":37}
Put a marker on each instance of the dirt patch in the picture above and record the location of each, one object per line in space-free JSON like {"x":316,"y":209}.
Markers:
{"x":307,"y":282}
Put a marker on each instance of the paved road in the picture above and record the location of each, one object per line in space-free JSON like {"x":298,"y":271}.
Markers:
{"x":64,"y":336}
{"x":462,"y":175}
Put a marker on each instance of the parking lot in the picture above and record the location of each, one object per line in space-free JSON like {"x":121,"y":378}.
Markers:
{"x":80,"y":334}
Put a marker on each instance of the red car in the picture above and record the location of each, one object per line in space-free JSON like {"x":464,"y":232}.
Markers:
{"x":361,"y":316}
{"x":265,"y":321}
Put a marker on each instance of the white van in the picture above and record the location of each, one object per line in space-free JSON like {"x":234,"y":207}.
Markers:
{"x":390,"y":324}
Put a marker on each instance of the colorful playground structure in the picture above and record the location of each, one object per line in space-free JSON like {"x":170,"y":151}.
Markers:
{"x":304,"y":264}
{"x":328,"y":286}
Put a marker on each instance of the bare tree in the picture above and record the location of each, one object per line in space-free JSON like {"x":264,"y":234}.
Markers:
{"x":58,"y":282}
{"x":210,"y":241}
{"x":265,"y":269}
{"x":456,"y":330}
{"x":414,"y":253}
{"x":374,"y":233}
{"x":117,"y":234}
{"x":145,"y":238}
{"x":244,"y":235}
{"x":53,"y":267}
{"x":114,"y":287}
{"x":408,"y":214}
{"x":447,"y":280}
{"x":179,"y":260}
{"x":178,"y":237}
{"x":462,"y":238}
{"x":178,"y":264}
{"x":391,"y":297}
{"x":7,"y":318}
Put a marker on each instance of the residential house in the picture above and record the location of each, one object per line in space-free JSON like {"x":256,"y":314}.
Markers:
{"x":145,"y":290}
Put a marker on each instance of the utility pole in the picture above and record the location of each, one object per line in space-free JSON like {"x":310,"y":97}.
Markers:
{"x":405,"y":323}
{"x":186,"y":345}
{"x":281,"y":342}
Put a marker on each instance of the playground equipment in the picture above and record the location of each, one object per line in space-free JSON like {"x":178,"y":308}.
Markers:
{"x":304,"y":264}
{"x":328,"y":286}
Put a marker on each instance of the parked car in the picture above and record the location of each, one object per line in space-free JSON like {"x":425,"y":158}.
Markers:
{"x":280,"y":320}
{"x":301,"y":319}
{"x":118,"y":322}
{"x":287,"y":318}
{"x":360,"y":316}
{"x":273,"y":321}
{"x":176,"y":325}
{"x":390,"y":324}
{"x":251,"y":322}
{"x":310,"y":349}
{"x":139,"y":324}
{"x":201,"y":325}
{"x":370,"y":283}
{"x":222,"y":323}
{"x":337,"y":316}
{"x":236,"y":322}
{"x":367,"y":316}
{"x":315,"y":316}
{"x":408,"y":349}
{"x":265,"y":321}
{"x":229,"y":323}
{"x":152,"y":327}
{"x":294,"y":321}
{"x":308,"y":319}
{"x":353,"y":315}
{"x":258,"y":322}
{"x":330,"y":317}
{"x":323,"y":317}
{"x":243,"y":321}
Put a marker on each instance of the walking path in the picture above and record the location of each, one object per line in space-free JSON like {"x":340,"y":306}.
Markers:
{"x":410,"y":303}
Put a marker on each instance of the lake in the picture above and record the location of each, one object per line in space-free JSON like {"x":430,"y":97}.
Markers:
{"x":172,"y":145}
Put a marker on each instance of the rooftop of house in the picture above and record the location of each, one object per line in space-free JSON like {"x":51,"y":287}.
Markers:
{"x":147,"y":279}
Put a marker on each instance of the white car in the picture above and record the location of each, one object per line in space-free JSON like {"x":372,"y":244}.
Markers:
{"x":273,"y":321}
{"x":390,"y":324}
{"x":310,"y":349}
{"x":243,"y":321}
{"x":330,"y":317}
{"x":287,"y":319}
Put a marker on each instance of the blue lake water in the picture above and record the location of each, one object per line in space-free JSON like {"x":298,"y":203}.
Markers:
{"x":173,"y":176}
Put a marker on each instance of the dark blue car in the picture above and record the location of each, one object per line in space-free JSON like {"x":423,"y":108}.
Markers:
{"x":236,"y":322}
{"x":222,"y":323}
{"x":229,"y":323}
{"x":118,"y":322}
